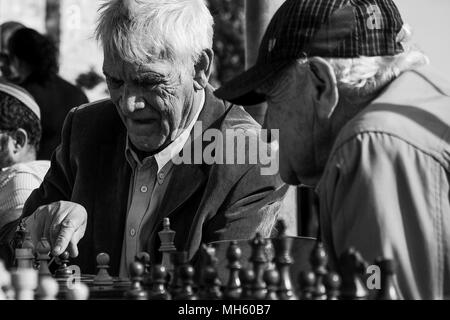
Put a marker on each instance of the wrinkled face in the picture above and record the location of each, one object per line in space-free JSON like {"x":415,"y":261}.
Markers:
{"x":291,"y":110}
{"x":154,"y":100}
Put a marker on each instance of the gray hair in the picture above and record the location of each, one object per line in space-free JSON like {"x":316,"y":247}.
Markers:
{"x":139,"y":31}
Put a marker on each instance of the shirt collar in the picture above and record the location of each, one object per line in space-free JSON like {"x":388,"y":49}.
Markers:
{"x":165,"y":155}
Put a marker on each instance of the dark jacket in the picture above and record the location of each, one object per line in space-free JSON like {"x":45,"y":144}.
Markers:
{"x":205,"y":203}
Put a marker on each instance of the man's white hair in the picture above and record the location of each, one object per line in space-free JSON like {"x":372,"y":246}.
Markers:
{"x":139,"y":31}
{"x":365,"y":76}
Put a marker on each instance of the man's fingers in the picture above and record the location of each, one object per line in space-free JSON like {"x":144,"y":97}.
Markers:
{"x":65,"y":234}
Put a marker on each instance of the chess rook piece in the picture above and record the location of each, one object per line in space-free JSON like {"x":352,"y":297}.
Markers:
{"x":158,"y":290}
{"x":43,"y":249}
{"x":388,"y":290}
{"x":179,"y":259}
{"x":144,"y":258}
{"x":187,"y":278}
{"x":272,"y":279}
{"x":319,"y":261}
{"x":259,"y":261}
{"x":24,"y":282}
{"x":283,"y":261}
{"x":47,"y":289}
{"x":306,"y":282}
{"x":63,"y":272}
{"x":233,"y":290}
{"x":103,"y":278}
{"x":247,"y":277}
{"x":332,"y":283}
{"x":136,"y":292}
{"x":352,"y":267}
{"x":167,"y":237}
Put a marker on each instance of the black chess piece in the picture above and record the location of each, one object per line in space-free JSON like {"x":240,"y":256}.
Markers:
{"x":167,"y":248}
{"x":306,"y":282}
{"x":283,"y":261}
{"x":259,"y":261}
{"x":19,"y":235}
{"x":43,"y":249}
{"x":352,"y":267}
{"x":179,"y":259}
{"x":136,"y":292}
{"x":233,"y":290}
{"x":159,"y":289}
{"x":144,"y":258}
{"x":210,"y":282}
{"x":63,"y":272}
{"x":247,"y":277}
{"x":272,"y":279}
{"x":388,"y":289}
{"x":103,"y":278}
{"x":319,"y":261}
{"x":332,"y":283}
{"x":187,"y":279}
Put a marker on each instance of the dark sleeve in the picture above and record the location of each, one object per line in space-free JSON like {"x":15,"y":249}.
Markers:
{"x":57,"y":186}
{"x":255,"y":207}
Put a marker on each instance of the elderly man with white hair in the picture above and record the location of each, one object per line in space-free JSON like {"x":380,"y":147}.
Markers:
{"x":366,"y":122}
{"x":113,"y":180}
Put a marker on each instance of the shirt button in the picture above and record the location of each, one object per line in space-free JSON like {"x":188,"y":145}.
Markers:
{"x":161,"y":177}
{"x":144,"y":189}
{"x":132,"y":232}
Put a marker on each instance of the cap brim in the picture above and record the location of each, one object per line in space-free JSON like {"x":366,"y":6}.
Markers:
{"x":241,"y":90}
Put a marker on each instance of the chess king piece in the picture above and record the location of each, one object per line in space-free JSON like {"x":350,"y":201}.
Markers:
{"x":259,"y":261}
{"x":319,"y":261}
{"x":352,"y":267}
{"x":136,"y":292}
{"x":103,"y":278}
{"x":283,"y":261}
{"x":388,"y":290}
{"x":233,"y":290}
{"x":159,"y":284}
{"x":167,"y":237}
{"x":24,"y":282}
{"x":43,"y":249}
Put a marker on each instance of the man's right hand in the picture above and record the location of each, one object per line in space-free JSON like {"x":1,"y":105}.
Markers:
{"x":63,"y":223}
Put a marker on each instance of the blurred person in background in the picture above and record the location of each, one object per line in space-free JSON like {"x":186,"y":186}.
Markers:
{"x":20,"y":133}
{"x":7,"y":29}
{"x":33,"y":62}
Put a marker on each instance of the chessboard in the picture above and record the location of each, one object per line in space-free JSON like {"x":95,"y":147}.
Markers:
{"x":280,"y":268}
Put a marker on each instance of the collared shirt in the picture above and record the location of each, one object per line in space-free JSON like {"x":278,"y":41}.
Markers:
{"x":385,"y":189}
{"x":16,"y":184}
{"x":148,"y":185}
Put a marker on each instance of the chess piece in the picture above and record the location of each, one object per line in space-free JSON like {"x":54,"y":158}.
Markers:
{"x":144,"y":258}
{"x":283,"y":261}
{"x":43,"y":249}
{"x":187,"y":279}
{"x":352,"y":267}
{"x":258,"y":259}
{"x":47,"y":289}
{"x":306,"y":282}
{"x":79,"y":291}
{"x":5,"y":281}
{"x":19,"y":235}
{"x":388,"y":290}
{"x":167,"y":237}
{"x":212,"y":284}
{"x":233,"y":289}
{"x":179,"y":259}
{"x":63,"y":272}
{"x":24,"y":282}
{"x":24,"y":258}
{"x":103,"y":278}
{"x":158,"y":290}
{"x":319,"y":261}
{"x":247,"y":277}
{"x":332,"y":282}
{"x":136,"y":292}
{"x":272,"y":279}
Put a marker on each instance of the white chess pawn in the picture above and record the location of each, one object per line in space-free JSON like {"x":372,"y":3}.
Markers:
{"x":5,"y":281}
{"x":79,"y":291}
{"x":48,"y":289}
{"x":24,"y":282}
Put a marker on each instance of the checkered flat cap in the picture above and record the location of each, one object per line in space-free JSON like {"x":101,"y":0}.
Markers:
{"x":324,"y":28}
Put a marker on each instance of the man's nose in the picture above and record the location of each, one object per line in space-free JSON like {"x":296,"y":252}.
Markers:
{"x":132,"y":99}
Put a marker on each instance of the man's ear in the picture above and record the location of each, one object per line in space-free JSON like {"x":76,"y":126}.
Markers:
{"x":203,"y":68}
{"x":327,"y":95}
{"x":20,"y":137}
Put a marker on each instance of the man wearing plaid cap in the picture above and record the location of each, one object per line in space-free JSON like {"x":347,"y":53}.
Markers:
{"x":365,"y":121}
